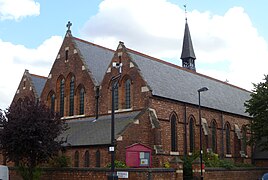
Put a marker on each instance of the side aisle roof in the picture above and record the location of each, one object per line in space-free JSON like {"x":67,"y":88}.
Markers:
{"x":38,"y":83}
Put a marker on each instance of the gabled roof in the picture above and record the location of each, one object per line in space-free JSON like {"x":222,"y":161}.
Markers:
{"x":89,"y":131}
{"x":187,"y":46}
{"x":95,"y":57}
{"x":38,"y":83}
{"x":173,"y":82}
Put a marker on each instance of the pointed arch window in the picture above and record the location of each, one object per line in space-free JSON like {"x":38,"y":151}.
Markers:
{"x":173,"y":133}
{"x":116,"y":96}
{"x":62,"y":84}
{"x":81,"y":101}
{"x":127,"y":94}
{"x":86,"y":163}
{"x":52,"y":102}
{"x":76,"y":159}
{"x":228,"y":142}
{"x":98,"y":158}
{"x":244,"y":139}
{"x":214,"y":137}
{"x":191,"y":134}
{"x":71,"y":105}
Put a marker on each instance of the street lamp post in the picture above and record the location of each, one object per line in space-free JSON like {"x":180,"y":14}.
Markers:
{"x":200,"y":130}
{"x":114,"y":80}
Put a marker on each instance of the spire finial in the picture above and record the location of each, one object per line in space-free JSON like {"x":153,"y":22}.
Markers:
{"x":68,"y":25}
{"x":185,"y":10}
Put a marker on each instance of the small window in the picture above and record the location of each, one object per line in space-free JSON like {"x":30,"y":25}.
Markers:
{"x":66,"y":55}
{"x":86,"y":164}
{"x":98,"y":158}
{"x":76,"y":159}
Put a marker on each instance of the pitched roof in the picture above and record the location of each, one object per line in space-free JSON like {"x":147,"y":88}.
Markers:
{"x":173,"y":82}
{"x":95,"y":57}
{"x":89,"y":131}
{"x":187,"y":46}
{"x":38,"y":83}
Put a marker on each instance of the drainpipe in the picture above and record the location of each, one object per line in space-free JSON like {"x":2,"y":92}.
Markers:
{"x":97,"y":95}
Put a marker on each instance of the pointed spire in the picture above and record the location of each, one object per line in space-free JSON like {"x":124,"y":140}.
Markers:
{"x":187,"y":54}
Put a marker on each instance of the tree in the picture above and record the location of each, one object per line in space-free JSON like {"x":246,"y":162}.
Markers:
{"x":257,"y":107}
{"x":29,"y":134}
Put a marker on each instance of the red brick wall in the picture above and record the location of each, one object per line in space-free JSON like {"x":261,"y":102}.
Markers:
{"x":63,"y":68}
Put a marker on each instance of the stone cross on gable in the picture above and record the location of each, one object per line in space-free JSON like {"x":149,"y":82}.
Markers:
{"x":69,"y":24}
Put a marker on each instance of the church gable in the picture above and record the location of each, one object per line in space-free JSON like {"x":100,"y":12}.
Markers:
{"x":30,"y":87}
{"x":131,"y":91}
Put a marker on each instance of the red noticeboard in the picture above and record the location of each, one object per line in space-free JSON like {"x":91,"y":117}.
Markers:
{"x":138,"y":155}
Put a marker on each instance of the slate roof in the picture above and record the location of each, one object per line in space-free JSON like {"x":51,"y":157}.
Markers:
{"x":96,"y":58}
{"x":173,"y":82}
{"x":38,"y":83}
{"x":89,"y":131}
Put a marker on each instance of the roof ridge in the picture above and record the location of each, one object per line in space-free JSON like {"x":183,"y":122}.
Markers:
{"x":39,"y":76}
{"x":93,"y":44}
{"x":181,"y":68}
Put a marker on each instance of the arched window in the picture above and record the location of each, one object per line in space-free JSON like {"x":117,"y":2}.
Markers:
{"x":191,"y":134}
{"x":214,"y":137}
{"x":76,"y":159}
{"x":127,"y":94}
{"x":62,"y":98}
{"x":116,"y":97}
{"x":173,"y":125}
{"x":86,"y":163}
{"x":244,"y":139}
{"x":98,"y":158}
{"x":52,"y":102}
{"x":71,"y":104}
{"x":81,"y":101}
{"x":228,"y":142}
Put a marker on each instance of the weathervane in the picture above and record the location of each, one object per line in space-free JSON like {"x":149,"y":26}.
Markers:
{"x":185,"y":10}
{"x":68,"y":25}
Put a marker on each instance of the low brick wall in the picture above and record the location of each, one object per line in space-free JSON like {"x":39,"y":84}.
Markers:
{"x":234,"y":174}
{"x":144,"y":174}
{"x":101,"y":174}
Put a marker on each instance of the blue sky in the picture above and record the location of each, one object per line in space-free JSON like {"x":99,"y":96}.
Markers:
{"x":230,"y":37}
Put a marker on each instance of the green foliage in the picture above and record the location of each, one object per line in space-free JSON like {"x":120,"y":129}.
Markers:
{"x":257,"y":107}
{"x":117,"y":164}
{"x":187,"y":166}
{"x":211,"y":160}
{"x":30,"y":174}
{"x":166,"y":165}
{"x":60,"y":161}
{"x":227,"y":164}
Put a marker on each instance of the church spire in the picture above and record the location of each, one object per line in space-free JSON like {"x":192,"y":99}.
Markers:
{"x":187,"y":54}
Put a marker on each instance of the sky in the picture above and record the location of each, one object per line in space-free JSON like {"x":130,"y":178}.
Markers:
{"x":230,"y":38}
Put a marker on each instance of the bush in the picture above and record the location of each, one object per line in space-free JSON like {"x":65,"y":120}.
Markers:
{"x":26,"y":174}
{"x":117,"y":164}
{"x":60,"y":161}
{"x":187,"y":166}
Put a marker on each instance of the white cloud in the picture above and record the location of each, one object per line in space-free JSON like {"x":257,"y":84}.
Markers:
{"x":156,"y":27}
{"x":14,"y":59}
{"x":16,"y":9}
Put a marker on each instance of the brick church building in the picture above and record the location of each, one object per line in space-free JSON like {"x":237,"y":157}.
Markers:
{"x":156,"y":106}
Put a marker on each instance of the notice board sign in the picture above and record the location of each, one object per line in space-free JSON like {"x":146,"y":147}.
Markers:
{"x":122,"y":174}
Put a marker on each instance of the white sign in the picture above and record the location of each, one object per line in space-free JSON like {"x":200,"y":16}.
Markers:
{"x":111,"y":148}
{"x":122,"y":174}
